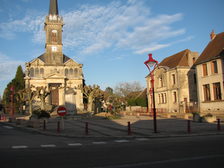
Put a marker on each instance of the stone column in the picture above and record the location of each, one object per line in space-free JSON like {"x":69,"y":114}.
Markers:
{"x":62,"y":95}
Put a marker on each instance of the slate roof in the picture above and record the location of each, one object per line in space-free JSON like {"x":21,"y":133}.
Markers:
{"x":53,"y":10}
{"x":178,"y":59}
{"x":65,"y":58}
{"x":213,"y":50}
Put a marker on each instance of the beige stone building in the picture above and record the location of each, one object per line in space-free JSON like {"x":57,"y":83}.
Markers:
{"x":54,"y":70}
{"x":210,"y":76}
{"x":175,"y":84}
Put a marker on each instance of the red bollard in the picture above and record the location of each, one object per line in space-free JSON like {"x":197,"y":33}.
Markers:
{"x":44,"y":126}
{"x":218,"y":125}
{"x":87,"y":128}
{"x":129,"y":128}
{"x":188,"y":126}
{"x":58,"y":127}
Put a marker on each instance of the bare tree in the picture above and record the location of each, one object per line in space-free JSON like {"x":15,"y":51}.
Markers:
{"x":91,"y":93}
{"x":21,"y":98}
{"x":30,"y":95}
{"x":125,"y":88}
{"x":42,"y":93}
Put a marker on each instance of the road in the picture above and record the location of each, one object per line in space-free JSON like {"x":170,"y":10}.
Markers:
{"x":20,"y":148}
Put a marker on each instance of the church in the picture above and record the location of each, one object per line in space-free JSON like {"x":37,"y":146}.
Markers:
{"x":54,"y":70}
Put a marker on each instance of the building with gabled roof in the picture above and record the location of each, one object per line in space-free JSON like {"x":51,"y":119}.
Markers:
{"x":210,"y":76}
{"x":175,"y":83}
{"x":60,"y":74}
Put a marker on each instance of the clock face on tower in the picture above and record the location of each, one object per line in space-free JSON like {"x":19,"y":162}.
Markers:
{"x":54,"y":49}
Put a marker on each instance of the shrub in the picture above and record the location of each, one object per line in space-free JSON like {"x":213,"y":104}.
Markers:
{"x":44,"y":114}
{"x":41,"y":114}
{"x":208,"y":115}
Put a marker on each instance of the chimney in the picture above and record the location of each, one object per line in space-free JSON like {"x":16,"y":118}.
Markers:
{"x":212,"y":35}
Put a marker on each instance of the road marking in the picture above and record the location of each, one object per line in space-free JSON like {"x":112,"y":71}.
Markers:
{"x":162,"y":162}
{"x":121,"y":141}
{"x":142,"y":139}
{"x":75,"y":144}
{"x":8,"y":127}
{"x":48,"y":146}
{"x":19,"y":147}
{"x":99,"y":143}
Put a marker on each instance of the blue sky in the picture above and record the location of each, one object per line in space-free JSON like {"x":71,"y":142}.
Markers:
{"x":112,"y":38}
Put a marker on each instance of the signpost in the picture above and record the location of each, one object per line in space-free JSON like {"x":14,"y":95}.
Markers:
{"x":61,"y":112}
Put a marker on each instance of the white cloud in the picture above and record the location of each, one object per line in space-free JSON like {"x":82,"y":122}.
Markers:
{"x":152,"y":48}
{"x":8,"y":67}
{"x":94,"y":28}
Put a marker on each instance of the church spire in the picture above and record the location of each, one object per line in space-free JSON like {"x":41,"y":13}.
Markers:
{"x":53,"y":10}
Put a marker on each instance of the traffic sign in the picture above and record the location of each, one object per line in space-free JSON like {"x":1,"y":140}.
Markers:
{"x":61,"y":111}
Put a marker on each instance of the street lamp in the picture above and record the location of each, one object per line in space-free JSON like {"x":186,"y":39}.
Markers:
{"x":152,"y":63}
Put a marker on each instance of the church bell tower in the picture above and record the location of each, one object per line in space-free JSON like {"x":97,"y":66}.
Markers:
{"x":53,"y":28}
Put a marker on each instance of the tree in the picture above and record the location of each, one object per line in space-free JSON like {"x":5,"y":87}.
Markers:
{"x":91,"y":93}
{"x":125,"y":88}
{"x":42,"y":93}
{"x":109,"y":90}
{"x":21,"y":98}
{"x":30,"y":95}
{"x":17,"y":83}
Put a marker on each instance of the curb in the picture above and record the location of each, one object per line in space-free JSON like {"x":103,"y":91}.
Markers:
{"x":153,"y":136}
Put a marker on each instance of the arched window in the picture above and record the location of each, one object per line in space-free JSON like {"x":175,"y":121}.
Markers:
{"x":36,"y":72}
{"x":70,"y":71}
{"x":31,"y":72}
{"x":76,"y":72}
{"x":42,"y":71}
{"x":54,"y":35}
{"x":66,"y":72}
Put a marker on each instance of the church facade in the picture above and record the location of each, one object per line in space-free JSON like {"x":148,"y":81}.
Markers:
{"x":61,"y":75}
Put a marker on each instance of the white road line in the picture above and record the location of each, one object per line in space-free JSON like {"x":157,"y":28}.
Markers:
{"x":8,"y":127}
{"x":19,"y":147}
{"x":48,"y":146}
{"x":75,"y":144}
{"x":121,"y":141}
{"x":142,"y":139}
{"x":162,"y":162}
{"x":99,"y":143}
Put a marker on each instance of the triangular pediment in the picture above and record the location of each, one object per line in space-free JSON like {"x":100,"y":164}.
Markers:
{"x":71,"y":62}
{"x":36,"y":62}
{"x":55,"y":76}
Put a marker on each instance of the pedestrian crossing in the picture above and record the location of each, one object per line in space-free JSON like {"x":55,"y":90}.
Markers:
{"x":78,"y":144}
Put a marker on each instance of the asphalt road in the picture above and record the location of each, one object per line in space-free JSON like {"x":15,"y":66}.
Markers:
{"x":20,"y":148}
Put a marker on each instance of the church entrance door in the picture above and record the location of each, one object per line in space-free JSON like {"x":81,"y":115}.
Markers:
{"x":54,"y":95}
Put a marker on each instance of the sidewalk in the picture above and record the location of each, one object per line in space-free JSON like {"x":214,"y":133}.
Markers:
{"x":140,"y":127}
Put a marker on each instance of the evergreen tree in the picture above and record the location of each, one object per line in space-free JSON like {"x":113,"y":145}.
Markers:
{"x":18,"y":83}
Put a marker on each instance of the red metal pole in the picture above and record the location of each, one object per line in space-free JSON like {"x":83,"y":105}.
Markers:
{"x":154,"y":104}
{"x":129,"y":128}
{"x":218,"y":125}
{"x":189,"y":126}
